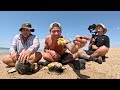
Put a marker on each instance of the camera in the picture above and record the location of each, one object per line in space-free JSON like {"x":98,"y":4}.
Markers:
{"x":92,"y":29}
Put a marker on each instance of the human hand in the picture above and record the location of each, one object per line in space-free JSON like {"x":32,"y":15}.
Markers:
{"x":24,"y":56}
{"x":14,"y":56}
{"x":80,"y":41}
{"x":94,"y":47}
{"x":93,"y":40}
{"x":87,"y":37}
{"x":78,"y":37}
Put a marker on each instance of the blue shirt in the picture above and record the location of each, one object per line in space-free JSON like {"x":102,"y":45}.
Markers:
{"x":18,"y":45}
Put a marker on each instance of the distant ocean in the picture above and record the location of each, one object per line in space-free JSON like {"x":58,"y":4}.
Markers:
{"x":6,"y":50}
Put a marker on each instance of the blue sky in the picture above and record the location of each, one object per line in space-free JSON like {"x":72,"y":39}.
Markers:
{"x":73,"y":22}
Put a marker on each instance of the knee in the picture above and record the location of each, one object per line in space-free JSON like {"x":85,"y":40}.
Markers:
{"x":45,"y":55}
{"x":6,"y":59}
{"x":104,"y":49}
{"x":38,"y":55}
{"x":81,"y":51}
{"x":48,"y":57}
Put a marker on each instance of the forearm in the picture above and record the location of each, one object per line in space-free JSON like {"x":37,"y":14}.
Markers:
{"x":35,"y":45}
{"x":94,"y":47}
{"x":90,"y":46}
{"x":91,"y":43}
{"x":48,"y":50}
{"x":12,"y":49}
{"x":33,"y":48}
{"x":75,"y":49}
{"x":71,"y":47}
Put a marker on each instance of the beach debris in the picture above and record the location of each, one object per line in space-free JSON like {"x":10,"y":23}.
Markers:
{"x":12,"y":70}
{"x":64,"y":67}
{"x":56,"y":67}
{"x":51,"y":65}
{"x":24,"y":68}
{"x":45,"y":68}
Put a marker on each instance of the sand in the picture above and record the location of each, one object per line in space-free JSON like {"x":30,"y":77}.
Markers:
{"x":107,"y":70}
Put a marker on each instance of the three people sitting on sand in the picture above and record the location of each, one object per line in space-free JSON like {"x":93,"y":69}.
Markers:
{"x":25,"y":45}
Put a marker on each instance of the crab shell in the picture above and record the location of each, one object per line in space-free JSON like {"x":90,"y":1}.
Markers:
{"x":51,"y":65}
{"x":22,"y":68}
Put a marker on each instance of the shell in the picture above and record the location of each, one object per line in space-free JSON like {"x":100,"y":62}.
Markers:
{"x":45,"y":68}
{"x":57,"y":64}
{"x":22,"y":68}
{"x":50,"y":65}
{"x":12,"y":70}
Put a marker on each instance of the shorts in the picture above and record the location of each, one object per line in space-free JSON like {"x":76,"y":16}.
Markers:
{"x":89,"y":52}
{"x":66,"y":58}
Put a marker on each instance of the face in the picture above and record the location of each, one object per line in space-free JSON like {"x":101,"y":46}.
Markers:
{"x":25,"y":32}
{"x":55,"y":32}
{"x":100,"y":30}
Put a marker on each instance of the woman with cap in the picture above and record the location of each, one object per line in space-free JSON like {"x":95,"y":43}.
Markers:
{"x":24,"y":47}
{"x":99,"y":45}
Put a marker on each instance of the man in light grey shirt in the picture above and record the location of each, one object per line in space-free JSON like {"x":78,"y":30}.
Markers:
{"x":24,"y":47}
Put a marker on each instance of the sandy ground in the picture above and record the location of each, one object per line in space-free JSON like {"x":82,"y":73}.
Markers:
{"x":107,"y":70}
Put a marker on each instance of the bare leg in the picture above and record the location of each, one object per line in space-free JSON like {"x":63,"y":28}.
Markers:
{"x":49,"y":58}
{"x":8,"y":60}
{"x":35,"y":57}
{"x":82,"y":54}
{"x":101,"y":51}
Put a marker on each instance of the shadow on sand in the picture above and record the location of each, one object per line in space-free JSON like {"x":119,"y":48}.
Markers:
{"x":79,"y":75}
